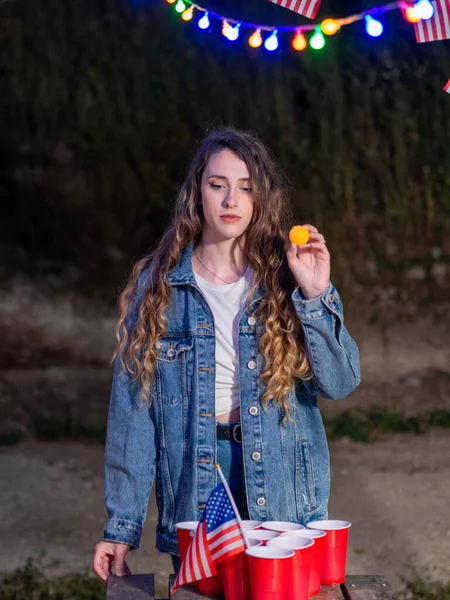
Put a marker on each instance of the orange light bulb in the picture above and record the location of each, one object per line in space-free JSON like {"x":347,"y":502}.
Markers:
{"x":299,"y":235}
{"x":410,"y":14}
{"x":255,"y":40}
{"x":299,"y":42}
{"x":188,"y":14}
{"x":225,"y":28}
{"x":330,"y":26}
{"x":171,"y":1}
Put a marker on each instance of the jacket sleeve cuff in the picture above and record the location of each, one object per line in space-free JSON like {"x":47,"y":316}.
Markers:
{"x":310,"y":310}
{"x":122,"y":531}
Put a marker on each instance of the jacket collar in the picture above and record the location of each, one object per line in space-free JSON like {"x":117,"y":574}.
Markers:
{"x":183,"y":273}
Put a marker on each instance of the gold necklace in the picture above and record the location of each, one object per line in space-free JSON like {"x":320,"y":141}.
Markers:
{"x":218,"y":277}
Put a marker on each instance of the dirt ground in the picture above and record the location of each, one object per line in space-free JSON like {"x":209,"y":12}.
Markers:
{"x":395,"y":490}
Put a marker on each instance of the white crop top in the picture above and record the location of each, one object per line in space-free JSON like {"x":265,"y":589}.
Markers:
{"x":227,"y":303}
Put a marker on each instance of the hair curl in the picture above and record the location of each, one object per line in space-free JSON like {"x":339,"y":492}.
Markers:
{"x":282,"y":343}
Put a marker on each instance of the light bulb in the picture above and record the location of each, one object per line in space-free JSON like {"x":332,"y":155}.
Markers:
{"x":330,"y":26}
{"x":204,"y":22}
{"x":188,"y":14}
{"x":255,"y":40}
{"x":317,"y":40}
{"x":271,"y":42}
{"x":170,"y":1}
{"x":225,"y":27}
{"x":424,"y":9}
{"x":233,"y":33}
{"x":410,"y":14}
{"x":373,"y":27}
{"x":299,"y":42}
{"x":180,"y":6}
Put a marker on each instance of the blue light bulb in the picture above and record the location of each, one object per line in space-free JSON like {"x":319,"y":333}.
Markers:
{"x":204,"y":22}
{"x":272,"y":42}
{"x":424,"y":9}
{"x":233,"y":33}
{"x":373,"y":27}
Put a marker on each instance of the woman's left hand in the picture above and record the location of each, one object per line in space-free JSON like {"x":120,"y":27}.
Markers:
{"x":310,"y":264}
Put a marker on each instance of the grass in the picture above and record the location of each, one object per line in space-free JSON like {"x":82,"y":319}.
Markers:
{"x":55,"y":426}
{"x":364,"y":427}
{"x":419,"y":588}
{"x":354,"y":425}
{"x":29,"y":583}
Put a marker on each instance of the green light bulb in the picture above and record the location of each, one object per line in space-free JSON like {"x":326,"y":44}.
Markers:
{"x":180,"y":6}
{"x":317,"y":41}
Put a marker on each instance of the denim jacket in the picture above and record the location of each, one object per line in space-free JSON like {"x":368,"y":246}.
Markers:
{"x":173,"y":442}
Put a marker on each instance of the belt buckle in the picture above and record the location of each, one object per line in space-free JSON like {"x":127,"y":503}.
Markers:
{"x":237,"y":433}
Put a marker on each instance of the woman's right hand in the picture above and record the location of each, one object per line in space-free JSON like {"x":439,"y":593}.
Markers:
{"x":105,"y":554}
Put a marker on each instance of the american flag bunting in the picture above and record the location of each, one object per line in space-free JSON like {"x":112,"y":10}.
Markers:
{"x":438,"y":27}
{"x":217,"y":537}
{"x":307,"y":8}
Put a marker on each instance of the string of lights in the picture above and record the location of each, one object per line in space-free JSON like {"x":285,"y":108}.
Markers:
{"x":413,"y":12}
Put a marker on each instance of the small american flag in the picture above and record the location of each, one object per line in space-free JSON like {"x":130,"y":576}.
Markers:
{"x":438,"y":27}
{"x":216,"y":538}
{"x":447,"y":87}
{"x":307,"y":8}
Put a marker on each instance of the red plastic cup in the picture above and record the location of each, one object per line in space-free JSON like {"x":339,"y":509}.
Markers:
{"x":317,"y":555}
{"x":250,"y":525}
{"x":270,"y":571}
{"x":185,"y":531}
{"x":263,"y":535}
{"x":281,"y":526}
{"x":184,"y":536}
{"x":302,"y":547}
{"x":335,"y":556}
{"x":234,"y":575}
{"x":210,"y":586}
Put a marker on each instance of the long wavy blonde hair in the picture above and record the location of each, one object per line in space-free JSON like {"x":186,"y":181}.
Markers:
{"x":282,"y":343}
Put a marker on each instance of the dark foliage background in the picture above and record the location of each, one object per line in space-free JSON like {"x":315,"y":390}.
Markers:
{"x":103,"y":102}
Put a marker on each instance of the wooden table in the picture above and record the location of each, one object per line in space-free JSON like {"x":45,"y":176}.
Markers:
{"x":142,"y":587}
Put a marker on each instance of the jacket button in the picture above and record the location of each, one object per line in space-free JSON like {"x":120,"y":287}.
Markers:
{"x":251,"y":364}
{"x":171,"y":352}
{"x":256,"y":455}
{"x":253,"y":410}
{"x":261,"y":501}
{"x":331,"y":298}
{"x":251,"y":321}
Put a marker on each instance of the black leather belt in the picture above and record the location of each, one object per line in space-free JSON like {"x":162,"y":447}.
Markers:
{"x":229,"y":431}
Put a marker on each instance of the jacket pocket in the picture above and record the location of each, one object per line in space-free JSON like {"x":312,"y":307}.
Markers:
{"x":175,"y":369}
{"x":306,"y":481}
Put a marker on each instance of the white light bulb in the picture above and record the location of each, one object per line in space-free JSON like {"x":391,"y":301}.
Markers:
{"x":373,"y":27}
{"x":424,"y":9}
{"x":272,"y":42}
{"x":204,"y":22}
{"x":233,"y":33}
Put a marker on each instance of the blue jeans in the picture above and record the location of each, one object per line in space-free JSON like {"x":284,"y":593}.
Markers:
{"x":229,"y":457}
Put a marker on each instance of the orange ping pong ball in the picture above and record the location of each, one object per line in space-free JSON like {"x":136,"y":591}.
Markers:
{"x":299,"y":235}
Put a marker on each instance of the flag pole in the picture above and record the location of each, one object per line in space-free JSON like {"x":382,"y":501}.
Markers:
{"x":233,"y":504}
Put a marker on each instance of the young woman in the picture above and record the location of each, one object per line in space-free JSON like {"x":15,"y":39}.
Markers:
{"x":227,"y":334}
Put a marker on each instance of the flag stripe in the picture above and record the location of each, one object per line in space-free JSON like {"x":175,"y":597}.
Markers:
{"x":204,"y":559}
{"x":224,"y":538}
{"x":307,"y":8}
{"x":446,"y":18}
{"x":221,"y":550}
{"x":447,"y":87}
{"x":226,"y":543}
{"x":438,"y":27}
{"x":221,"y":531}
